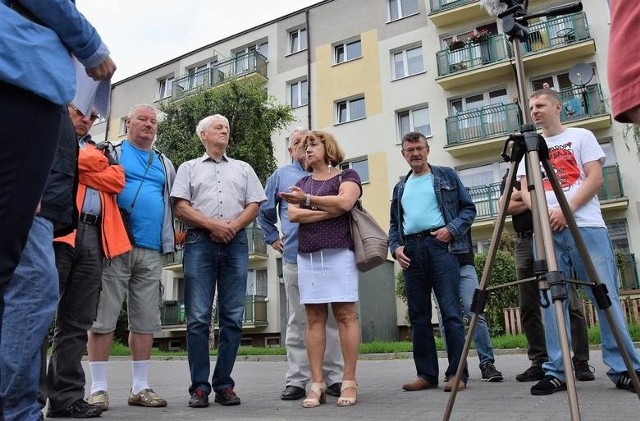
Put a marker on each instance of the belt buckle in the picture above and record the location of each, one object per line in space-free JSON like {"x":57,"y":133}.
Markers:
{"x":89,"y":218}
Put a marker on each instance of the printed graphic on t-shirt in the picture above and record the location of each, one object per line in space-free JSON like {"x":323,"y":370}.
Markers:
{"x":565,"y":166}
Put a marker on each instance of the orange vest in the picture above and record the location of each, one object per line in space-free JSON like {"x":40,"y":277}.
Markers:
{"x":95,"y":171}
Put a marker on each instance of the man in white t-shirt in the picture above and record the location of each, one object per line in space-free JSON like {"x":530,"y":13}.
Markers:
{"x":577,"y":160}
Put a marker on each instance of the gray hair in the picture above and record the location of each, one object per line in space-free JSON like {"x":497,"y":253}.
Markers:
{"x":132,"y":110}
{"x":207,"y":121}
{"x":295,"y":131}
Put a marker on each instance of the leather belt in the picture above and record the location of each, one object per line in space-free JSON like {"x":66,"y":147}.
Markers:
{"x":421,"y":234}
{"x":89,"y":218}
{"x":525,"y":234}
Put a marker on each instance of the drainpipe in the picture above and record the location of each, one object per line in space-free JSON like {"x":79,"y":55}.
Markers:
{"x":306,"y":17}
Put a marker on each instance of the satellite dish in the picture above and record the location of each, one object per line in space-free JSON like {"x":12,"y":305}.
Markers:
{"x":580,"y":74}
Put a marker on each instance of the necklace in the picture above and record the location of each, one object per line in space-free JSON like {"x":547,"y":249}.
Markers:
{"x":319,"y":188}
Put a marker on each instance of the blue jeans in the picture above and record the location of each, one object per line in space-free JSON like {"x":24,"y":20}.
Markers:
{"x":207,"y":264}
{"x":468,"y":284}
{"x":30,"y":305}
{"x":433,"y":268}
{"x":601,"y":253}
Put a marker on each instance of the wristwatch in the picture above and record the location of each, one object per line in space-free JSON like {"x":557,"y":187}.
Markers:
{"x":307,"y":202}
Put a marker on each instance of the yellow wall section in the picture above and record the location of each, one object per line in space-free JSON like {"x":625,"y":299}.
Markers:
{"x":376,"y":195}
{"x":360,"y":76}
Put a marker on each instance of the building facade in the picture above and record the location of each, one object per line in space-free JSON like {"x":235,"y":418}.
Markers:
{"x":370,"y":71}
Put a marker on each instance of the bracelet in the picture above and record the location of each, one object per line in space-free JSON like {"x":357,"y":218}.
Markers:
{"x":307,"y":202}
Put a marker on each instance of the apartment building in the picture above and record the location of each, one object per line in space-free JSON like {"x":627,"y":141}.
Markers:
{"x":370,"y":71}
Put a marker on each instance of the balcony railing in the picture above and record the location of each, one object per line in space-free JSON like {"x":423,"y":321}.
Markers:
{"x":439,"y":5}
{"x":472,"y":55}
{"x":612,"y":183}
{"x":482,"y":123}
{"x":582,"y":102}
{"x":254,"y":236}
{"x":255,"y":312}
{"x":486,"y":199}
{"x":172,"y":313}
{"x":173,"y":258}
{"x":557,"y":32}
{"x":252,"y":62}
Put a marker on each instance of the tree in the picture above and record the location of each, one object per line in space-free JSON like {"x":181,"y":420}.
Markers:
{"x":253,"y":117}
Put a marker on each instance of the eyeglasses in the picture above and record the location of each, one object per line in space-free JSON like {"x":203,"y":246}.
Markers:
{"x":92,"y":117}
{"x":418,"y":149}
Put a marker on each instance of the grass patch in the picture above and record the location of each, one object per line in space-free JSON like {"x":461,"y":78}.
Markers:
{"x":380,"y":347}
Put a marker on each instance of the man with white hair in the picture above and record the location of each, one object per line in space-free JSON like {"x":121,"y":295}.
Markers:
{"x":146,"y":207}
{"x":217,"y":197}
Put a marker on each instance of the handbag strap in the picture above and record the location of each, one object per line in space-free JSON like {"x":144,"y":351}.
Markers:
{"x":144,"y":177}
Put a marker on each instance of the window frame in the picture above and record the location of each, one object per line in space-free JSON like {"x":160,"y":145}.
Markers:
{"x":349,"y":163}
{"x":410,"y":114}
{"x":405,"y":61}
{"x":344,"y":46}
{"x":399,"y":10}
{"x":302,"y":92}
{"x":301,"y":39}
{"x":165,"y":87}
{"x":347,"y":103}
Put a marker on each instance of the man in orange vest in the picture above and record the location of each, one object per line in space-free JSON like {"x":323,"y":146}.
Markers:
{"x":79,"y":257}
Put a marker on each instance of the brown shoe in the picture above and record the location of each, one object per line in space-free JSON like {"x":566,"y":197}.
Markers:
{"x":420,"y":383}
{"x":448,"y":385}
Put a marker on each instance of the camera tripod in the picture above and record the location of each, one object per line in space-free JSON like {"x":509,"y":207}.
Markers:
{"x":533,"y":148}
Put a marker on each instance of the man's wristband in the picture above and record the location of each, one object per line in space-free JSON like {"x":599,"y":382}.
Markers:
{"x":307,"y":202}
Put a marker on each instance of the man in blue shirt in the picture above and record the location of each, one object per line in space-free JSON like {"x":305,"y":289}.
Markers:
{"x":298,"y":374}
{"x":136,"y":274}
{"x":431,"y":213}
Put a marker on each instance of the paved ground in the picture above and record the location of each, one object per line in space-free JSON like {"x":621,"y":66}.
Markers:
{"x":259,"y":383}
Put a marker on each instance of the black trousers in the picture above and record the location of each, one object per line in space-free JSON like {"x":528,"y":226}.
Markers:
{"x":530,"y":314}
{"x":29,"y":133}
{"x":80,"y":274}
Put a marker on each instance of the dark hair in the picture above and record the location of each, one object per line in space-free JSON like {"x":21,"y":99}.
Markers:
{"x":414,"y":137}
{"x":332,"y":153}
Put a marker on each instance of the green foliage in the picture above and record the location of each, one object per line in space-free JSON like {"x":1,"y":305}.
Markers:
{"x":619,"y":257}
{"x":401,"y":292}
{"x":503,"y":270}
{"x":253,"y":117}
{"x":631,"y":134}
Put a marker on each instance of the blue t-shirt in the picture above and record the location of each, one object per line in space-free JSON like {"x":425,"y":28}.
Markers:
{"x":420,"y":205}
{"x":148,"y":210}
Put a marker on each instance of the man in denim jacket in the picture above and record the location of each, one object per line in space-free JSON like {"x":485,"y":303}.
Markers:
{"x":431,"y":213}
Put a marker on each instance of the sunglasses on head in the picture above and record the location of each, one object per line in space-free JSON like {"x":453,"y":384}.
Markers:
{"x":92,"y":117}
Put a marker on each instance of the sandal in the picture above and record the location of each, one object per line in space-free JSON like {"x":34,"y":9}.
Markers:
{"x":344,"y":401}
{"x":317,"y":395}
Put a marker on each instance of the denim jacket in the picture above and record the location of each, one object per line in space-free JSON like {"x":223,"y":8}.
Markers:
{"x":455,"y":204}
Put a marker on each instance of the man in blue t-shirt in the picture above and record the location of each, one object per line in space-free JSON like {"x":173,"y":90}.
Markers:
{"x":137,"y":274}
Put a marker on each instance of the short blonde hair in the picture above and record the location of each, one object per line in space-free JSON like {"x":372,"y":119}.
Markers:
{"x":332,"y":152}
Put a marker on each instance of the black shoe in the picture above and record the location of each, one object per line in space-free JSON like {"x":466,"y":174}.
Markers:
{"x":334,"y":389}
{"x":625,"y":383}
{"x":531,"y":374}
{"x":584,"y":372}
{"x":78,"y":409}
{"x":548,"y":385}
{"x":490,"y":374}
{"x":199,"y":399}
{"x":292,"y":393}
{"x":227,"y":397}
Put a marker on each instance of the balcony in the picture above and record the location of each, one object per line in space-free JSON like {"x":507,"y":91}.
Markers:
{"x":482,"y":129}
{"x":486,"y":200}
{"x":611,"y":194}
{"x":250,"y":65}
{"x":564,"y":38}
{"x":172,"y":312}
{"x":173,"y":261}
{"x":584,"y":107}
{"x":474,"y":62}
{"x":450,"y":12}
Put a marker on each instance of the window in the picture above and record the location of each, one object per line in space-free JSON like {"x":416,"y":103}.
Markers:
{"x":407,"y":62}
{"x":123,"y":126}
{"x":297,"y":40}
{"x":347,"y":51}
{"x":245,"y":58}
{"x":483,"y":175}
{"x":298,"y":93}
{"x":360,"y":165}
{"x":349,"y":110}
{"x":414,"y":120}
{"x":166,"y":87}
{"x":401,"y":8}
